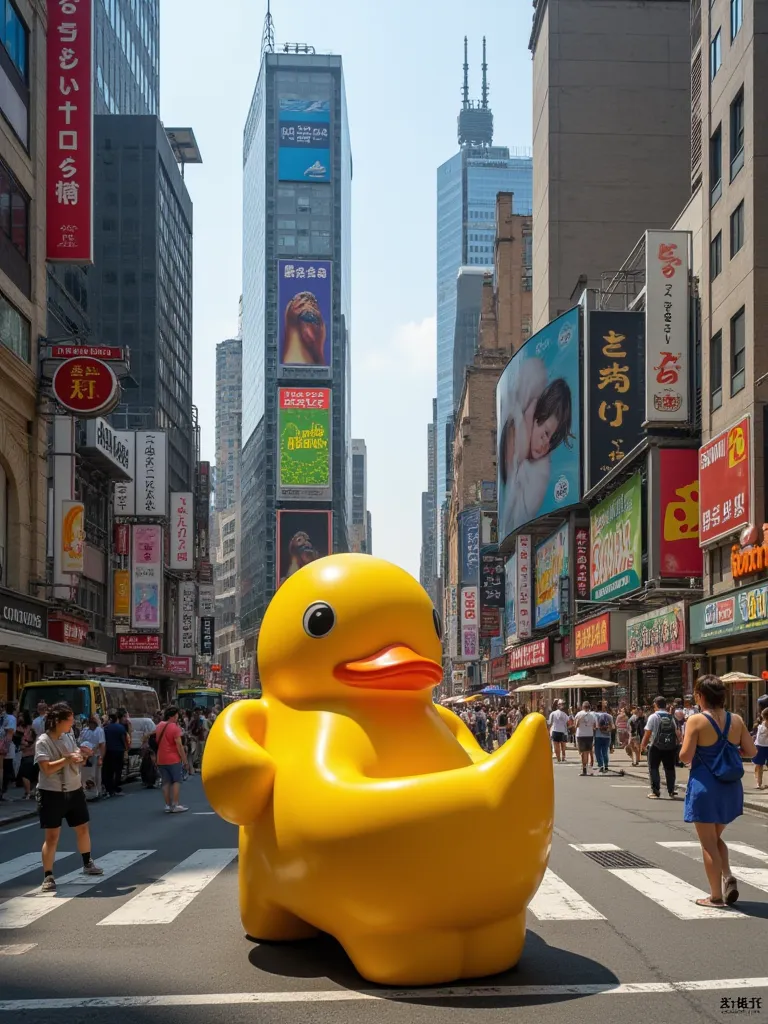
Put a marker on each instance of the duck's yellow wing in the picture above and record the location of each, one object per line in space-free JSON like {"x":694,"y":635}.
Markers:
{"x":238,"y":773}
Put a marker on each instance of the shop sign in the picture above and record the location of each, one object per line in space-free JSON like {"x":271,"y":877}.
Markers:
{"x":667,"y":312}
{"x":86,"y":387}
{"x":551,"y":565}
{"x":750,"y":557}
{"x":206,"y":636}
{"x":108,"y":353}
{"x":122,"y":539}
{"x":22,"y":615}
{"x":470,"y":633}
{"x":206,"y":601}
{"x":499,"y":670}
{"x":740,"y":612}
{"x":151,"y":469}
{"x":124,"y":501}
{"x":138,"y":643}
{"x":678,"y":536}
{"x":617,"y":542}
{"x":469,"y":542}
{"x":187,"y":603}
{"x":72,"y":555}
{"x":524,"y":604}
{"x":107,"y":447}
{"x":182,"y":541}
{"x":121,"y":593}
{"x":725,"y":483}
{"x":147,"y":577}
{"x":582,"y":563}
{"x":491,"y":578}
{"x":593,"y":636}
{"x":657,"y":634}
{"x":175,"y":666}
{"x":529,"y":655}
{"x":66,"y":629}
{"x":490,"y":621}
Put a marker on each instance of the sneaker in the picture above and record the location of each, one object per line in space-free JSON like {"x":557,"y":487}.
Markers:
{"x":91,"y":869}
{"x":654,"y":796}
{"x":49,"y":884}
{"x":179,"y":809}
{"x":168,"y":809}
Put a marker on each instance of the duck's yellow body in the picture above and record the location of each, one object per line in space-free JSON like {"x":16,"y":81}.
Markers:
{"x":366,"y":811}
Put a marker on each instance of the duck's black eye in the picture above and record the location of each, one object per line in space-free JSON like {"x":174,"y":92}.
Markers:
{"x":319,"y":620}
{"x":438,"y":624}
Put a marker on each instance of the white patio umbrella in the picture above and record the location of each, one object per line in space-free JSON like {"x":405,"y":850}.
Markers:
{"x":739,"y":677}
{"x":528,"y":688}
{"x":578,"y":682}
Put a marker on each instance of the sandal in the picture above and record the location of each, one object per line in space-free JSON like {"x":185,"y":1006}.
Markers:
{"x":707,"y":901}
{"x":730,"y":890}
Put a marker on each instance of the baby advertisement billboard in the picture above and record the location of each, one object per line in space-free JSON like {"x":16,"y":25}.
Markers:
{"x":538,"y":407}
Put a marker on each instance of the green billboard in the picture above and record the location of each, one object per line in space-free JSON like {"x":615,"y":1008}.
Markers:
{"x":304,"y":444}
{"x":615,"y":528}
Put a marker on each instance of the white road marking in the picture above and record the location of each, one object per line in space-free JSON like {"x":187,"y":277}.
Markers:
{"x":22,"y":911}
{"x":18,"y":949}
{"x":557,"y":901}
{"x":593,"y":847}
{"x":672,"y":893}
{"x":626,"y":785}
{"x":163,"y":900}
{"x":203,"y":814}
{"x":756,"y":877}
{"x":342,"y":995}
{"x":19,"y":828}
{"x":23,"y":865}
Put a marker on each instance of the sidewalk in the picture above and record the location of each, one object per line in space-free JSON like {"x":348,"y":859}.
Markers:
{"x":754,"y":799}
{"x":16,"y":810}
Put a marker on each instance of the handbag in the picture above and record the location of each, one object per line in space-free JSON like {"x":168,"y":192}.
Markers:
{"x":726,"y":765}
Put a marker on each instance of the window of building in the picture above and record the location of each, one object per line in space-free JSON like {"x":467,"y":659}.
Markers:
{"x":737,"y":16}
{"x":738,"y":352}
{"x":716,"y":255}
{"x":715,"y":55}
{"x":14,"y":36}
{"x":716,"y":165}
{"x":15,"y":330}
{"x":737,"y":133}
{"x":737,"y":229}
{"x":716,"y":371}
{"x":14,"y":211}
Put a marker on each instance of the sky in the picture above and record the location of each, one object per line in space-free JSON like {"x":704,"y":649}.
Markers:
{"x":402,"y":70}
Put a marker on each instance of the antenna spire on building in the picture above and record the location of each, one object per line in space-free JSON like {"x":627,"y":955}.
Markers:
{"x":268,"y":38}
{"x":485,"y":79}
{"x":465,"y":87}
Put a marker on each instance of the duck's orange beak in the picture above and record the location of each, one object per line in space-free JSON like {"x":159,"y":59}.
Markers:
{"x":397,"y":667}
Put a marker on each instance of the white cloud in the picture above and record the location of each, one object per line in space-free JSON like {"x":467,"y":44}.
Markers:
{"x":412,"y":350}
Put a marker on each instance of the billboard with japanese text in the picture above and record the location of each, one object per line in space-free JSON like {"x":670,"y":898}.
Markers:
{"x":551,"y":562}
{"x":538,"y":406}
{"x":69,"y":109}
{"x":491,"y":578}
{"x":614,"y":389}
{"x":304,"y":444}
{"x":510,"y":595}
{"x":182,"y":552}
{"x":304,"y":143}
{"x":667,"y":313}
{"x":470,"y":624}
{"x":725,"y":482}
{"x":147,"y":577}
{"x":616,"y":535}
{"x":303,"y":536}
{"x":305,"y":322}
{"x":469,"y":546}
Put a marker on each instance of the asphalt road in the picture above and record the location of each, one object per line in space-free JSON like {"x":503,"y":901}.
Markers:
{"x":626,"y":951}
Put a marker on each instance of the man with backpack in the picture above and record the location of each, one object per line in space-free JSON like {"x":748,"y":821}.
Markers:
{"x":661,"y":739}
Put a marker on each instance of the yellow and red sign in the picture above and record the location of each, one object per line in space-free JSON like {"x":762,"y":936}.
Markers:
{"x":86,"y":387}
{"x":121,"y":593}
{"x":725,"y":483}
{"x":72,"y":536}
{"x":593,"y":636}
{"x":680,"y":554}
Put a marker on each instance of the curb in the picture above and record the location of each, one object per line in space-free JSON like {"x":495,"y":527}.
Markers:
{"x":32,"y":813}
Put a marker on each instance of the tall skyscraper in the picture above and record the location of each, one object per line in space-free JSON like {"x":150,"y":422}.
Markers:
{"x":229,"y":399}
{"x":141,"y":285}
{"x":467,"y":186}
{"x":126,"y":70}
{"x":296,"y":461}
{"x":359,"y":538}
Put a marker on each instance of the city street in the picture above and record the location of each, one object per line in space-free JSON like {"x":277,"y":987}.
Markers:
{"x":158,"y":937}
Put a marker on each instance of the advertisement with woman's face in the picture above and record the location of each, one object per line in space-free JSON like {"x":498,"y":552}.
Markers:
{"x":538,"y":408}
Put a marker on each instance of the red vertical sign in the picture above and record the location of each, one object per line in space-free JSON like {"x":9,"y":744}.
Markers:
{"x":69,"y":181}
{"x":582,"y":563}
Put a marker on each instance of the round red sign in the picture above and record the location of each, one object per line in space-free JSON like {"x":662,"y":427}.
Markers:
{"x":86,"y":386}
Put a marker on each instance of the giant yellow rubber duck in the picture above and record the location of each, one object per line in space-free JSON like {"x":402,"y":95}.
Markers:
{"x":366,"y":810}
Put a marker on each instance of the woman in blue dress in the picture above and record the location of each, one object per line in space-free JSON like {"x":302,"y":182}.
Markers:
{"x":714,"y":742}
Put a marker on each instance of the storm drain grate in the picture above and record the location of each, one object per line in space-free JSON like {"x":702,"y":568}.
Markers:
{"x":617,"y":859}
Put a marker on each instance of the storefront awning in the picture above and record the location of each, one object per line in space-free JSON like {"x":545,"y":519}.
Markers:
{"x":24,"y":647}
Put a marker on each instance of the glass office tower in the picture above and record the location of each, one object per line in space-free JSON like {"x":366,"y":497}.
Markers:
{"x":467,"y":186}
{"x":297,"y":173}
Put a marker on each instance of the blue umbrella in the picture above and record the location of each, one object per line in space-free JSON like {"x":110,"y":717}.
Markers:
{"x":495,"y":691}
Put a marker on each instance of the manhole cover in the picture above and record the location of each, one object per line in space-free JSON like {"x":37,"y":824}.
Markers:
{"x":618,"y":859}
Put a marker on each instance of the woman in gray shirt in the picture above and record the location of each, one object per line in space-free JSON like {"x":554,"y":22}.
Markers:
{"x":60,"y":795}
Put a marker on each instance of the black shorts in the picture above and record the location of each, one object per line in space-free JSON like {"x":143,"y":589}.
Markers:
{"x":54,"y":808}
{"x":559,"y":737}
{"x":585,"y":743}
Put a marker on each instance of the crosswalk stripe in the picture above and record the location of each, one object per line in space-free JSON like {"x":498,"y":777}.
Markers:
{"x":672,"y":893}
{"x":23,"y":865}
{"x":163,"y":900}
{"x":22,"y":911}
{"x":557,"y":901}
{"x":756,"y":877}
{"x":18,"y":949}
{"x":593,"y":847}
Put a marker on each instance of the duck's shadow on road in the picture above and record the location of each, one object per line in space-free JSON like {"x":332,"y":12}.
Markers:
{"x":541,"y":965}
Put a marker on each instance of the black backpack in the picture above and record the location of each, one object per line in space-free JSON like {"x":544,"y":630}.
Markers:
{"x":666,"y":737}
